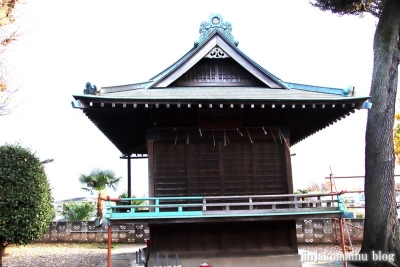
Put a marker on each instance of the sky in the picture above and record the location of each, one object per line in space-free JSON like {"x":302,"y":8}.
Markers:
{"x":65,"y":44}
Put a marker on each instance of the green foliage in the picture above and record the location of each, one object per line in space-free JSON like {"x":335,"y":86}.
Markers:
{"x":351,"y":7}
{"x":77,"y":211}
{"x":301,"y":191}
{"x":25,"y":198}
{"x":98,"y":180}
{"x":133,"y":202}
{"x":360,"y":214}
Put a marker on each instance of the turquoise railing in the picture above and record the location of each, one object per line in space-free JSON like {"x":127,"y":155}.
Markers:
{"x":156,"y":207}
{"x":225,"y":206}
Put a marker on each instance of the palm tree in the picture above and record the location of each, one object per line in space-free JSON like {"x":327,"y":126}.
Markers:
{"x":98,"y":180}
{"x":77,"y":211}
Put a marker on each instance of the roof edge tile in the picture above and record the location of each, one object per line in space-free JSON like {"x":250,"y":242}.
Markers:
{"x":321,"y":89}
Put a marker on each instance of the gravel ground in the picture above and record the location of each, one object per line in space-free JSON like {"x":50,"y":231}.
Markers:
{"x":55,"y":255}
{"x":91,"y":255}
{"x":329,"y":249}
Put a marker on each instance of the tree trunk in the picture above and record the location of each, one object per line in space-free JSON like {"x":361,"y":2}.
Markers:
{"x":99,"y":207}
{"x":2,"y":249}
{"x":3,"y":245}
{"x":381,"y":232}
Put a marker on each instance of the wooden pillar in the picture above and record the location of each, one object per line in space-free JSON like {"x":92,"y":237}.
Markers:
{"x":109,"y":240}
{"x":129,"y":177}
{"x":342,"y":242}
{"x":151,"y":166}
{"x":288,"y":161}
{"x":285,"y":135}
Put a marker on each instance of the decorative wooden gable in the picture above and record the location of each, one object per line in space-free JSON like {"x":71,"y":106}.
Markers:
{"x":216,"y":61}
{"x":217,"y":71}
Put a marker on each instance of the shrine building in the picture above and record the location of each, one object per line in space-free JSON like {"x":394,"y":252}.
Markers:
{"x":217,"y":129}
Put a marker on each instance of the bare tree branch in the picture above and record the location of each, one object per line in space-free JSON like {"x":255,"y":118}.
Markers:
{"x":8,"y":34}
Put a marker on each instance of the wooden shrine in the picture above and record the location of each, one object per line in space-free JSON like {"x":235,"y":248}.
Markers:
{"x":217,"y":129}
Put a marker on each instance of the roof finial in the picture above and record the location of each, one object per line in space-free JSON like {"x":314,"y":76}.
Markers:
{"x":215,"y":22}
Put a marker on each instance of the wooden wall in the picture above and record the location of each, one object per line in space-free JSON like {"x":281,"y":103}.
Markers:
{"x":222,"y":239}
{"x":207,"y":162}
{"x":202,"y":169}
{"x":211,"y":72}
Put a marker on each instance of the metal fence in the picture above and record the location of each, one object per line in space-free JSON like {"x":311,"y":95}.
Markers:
{"x":307,"y":231}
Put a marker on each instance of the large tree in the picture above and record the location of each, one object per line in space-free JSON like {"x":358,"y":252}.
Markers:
{"x":98,"y":180}
{"x":26,"y":205}
{"x":381,"y":227}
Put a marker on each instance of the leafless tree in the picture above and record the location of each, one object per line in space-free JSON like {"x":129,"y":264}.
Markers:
{"x":8,"y":34}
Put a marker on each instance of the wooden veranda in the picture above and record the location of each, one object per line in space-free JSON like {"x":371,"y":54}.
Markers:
{"x":232,"y":207}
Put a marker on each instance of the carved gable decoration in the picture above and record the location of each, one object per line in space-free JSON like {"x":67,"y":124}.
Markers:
{"x":217,"y":72}
{"x":217,"y":52}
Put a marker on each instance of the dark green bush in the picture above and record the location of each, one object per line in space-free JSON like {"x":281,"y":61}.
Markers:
{"x":25,"y":199}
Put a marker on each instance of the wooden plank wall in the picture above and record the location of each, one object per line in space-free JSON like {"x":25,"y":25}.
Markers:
{"x":249,"y":238}
{"x":209,"y":72}
{"x":202,"y":169}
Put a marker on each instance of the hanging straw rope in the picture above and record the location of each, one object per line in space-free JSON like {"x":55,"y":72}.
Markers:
{"x":226,"y":139}
{"x":226,"y":136}
{"x":249,"y":136}
{"x":281,"y":135}
{"x":265,"y":132}
{"x":213,"y":138}
{"x":273,"y":135}
{"x":176,"y":135}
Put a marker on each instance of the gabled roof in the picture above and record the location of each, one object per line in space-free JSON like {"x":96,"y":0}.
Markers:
{"x":125,"y":112}
{"x":215,"y":39}
{"x":212,"y":36}
{"x":216,"y":36}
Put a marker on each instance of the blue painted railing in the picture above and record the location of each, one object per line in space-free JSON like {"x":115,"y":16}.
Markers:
{"x":225,"y":206}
